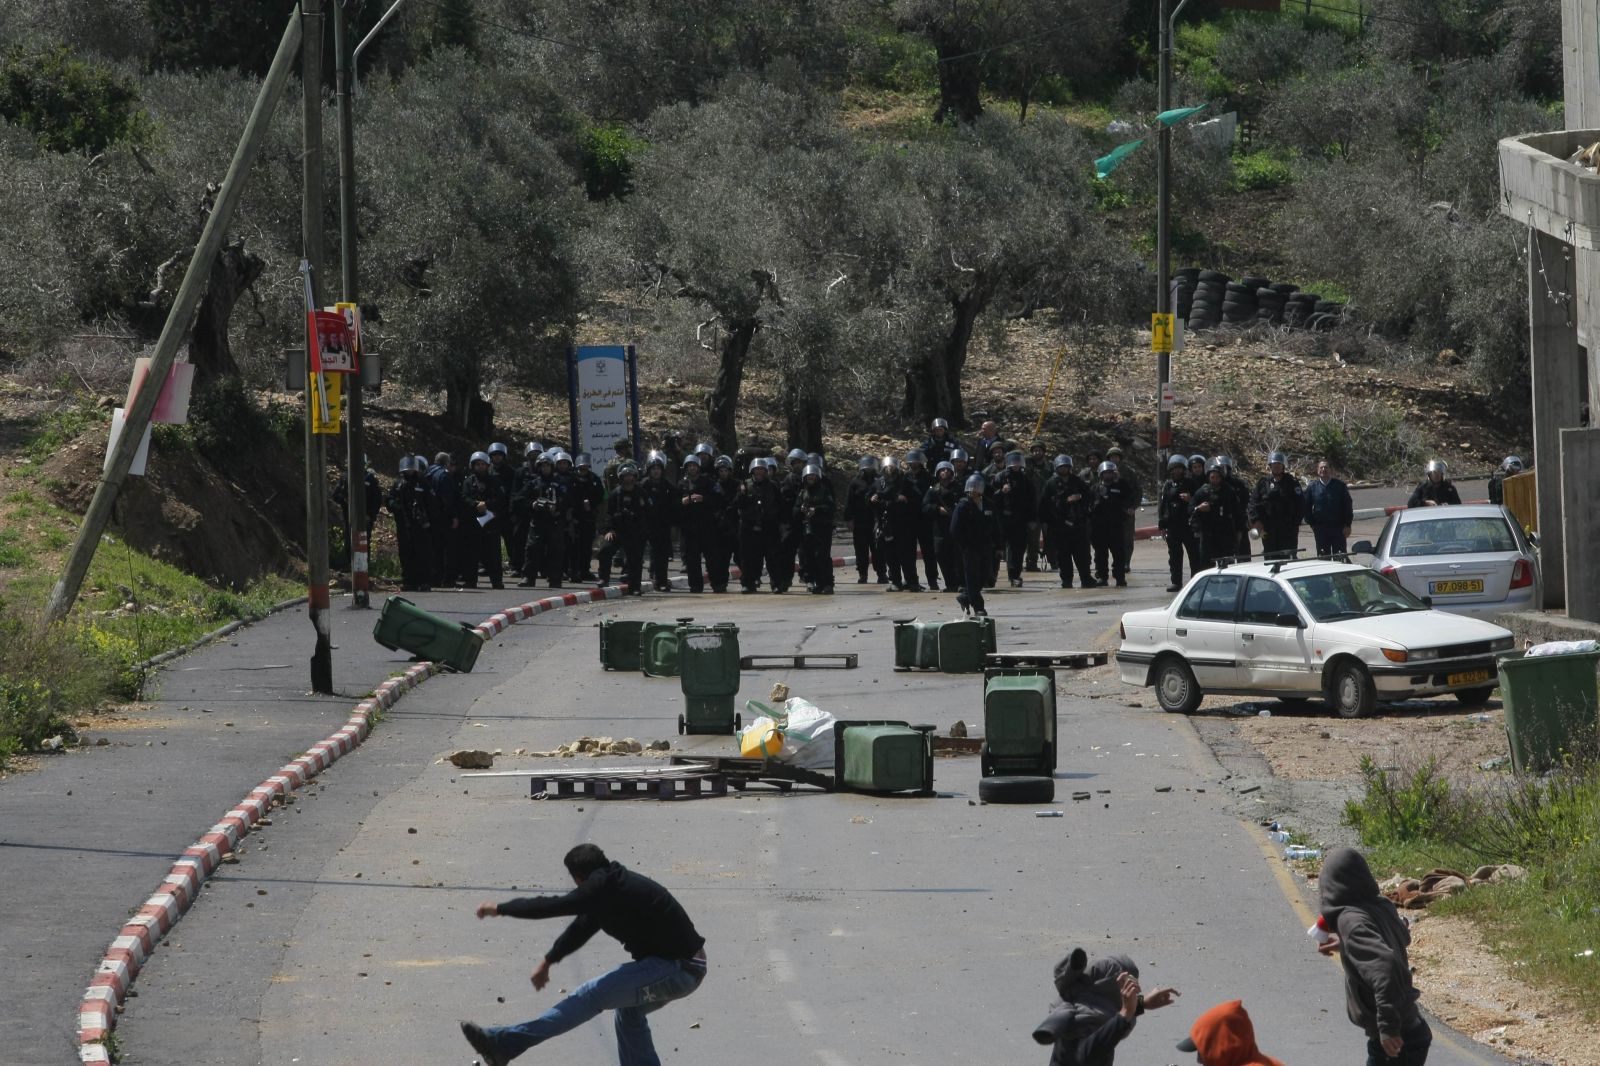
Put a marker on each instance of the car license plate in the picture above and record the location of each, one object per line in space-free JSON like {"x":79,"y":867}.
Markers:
{"x":1453,"y":588}
{"x":1469,"y":677}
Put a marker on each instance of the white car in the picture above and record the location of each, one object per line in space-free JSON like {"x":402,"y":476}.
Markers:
{"x":1300,"y":630}
{"x":1471,"y":559}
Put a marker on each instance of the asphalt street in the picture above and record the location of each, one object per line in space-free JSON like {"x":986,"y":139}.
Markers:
{"x":841,"y":929}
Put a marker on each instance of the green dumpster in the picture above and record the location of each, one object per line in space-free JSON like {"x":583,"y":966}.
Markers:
{"x":883,"y":757}
{"x":619,"y":643}
{"x":1551,"y":704}
{"x":916,"y":644}
{"x":961,"y":647}
{"x":658,"y":647}
{"x":708,"y":673}
{"x":1019,"y":721}
{"x":403,"y":626}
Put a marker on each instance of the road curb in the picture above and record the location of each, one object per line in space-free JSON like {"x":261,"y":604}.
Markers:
{"x":137,"y":940}
{"x":215,"y":634}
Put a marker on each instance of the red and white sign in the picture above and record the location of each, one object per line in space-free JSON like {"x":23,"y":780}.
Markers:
{"x":332,"y":344}
{"x":172,"y":406}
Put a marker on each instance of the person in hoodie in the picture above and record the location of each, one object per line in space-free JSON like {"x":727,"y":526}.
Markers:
{"x":669,"y":958}
{"x":1223,"y":1036}
{"x":1371,"y":938}
{"x":1099,"y":1005}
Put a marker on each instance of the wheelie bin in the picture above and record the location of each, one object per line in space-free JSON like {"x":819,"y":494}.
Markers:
{"x":403,"y":626}
{"x":916,"y":644}
{"x":961,"y":647}
{"x":1552,"y":705}
{"x":883,"y":757}
{"x":619,"y":643}
{"x":708,"y":673}
{"x":658,"y":647}
{"x":1019,"y":721}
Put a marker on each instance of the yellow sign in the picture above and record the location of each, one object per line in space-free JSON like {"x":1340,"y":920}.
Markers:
{"x":1162,"y":327}
{"x":352,"y":316}
{"x":327,"y":392}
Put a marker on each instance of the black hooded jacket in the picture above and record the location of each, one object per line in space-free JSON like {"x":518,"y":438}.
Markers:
{"x":625,"y":905}
{"x":1379,"y":995}
{"x":1086,"y":1023}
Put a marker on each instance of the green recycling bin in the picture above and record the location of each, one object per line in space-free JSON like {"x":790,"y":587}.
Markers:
{"x":403,"y":626}
{"x":708,"y":673}
{"x":916,"y":644}
{"x":961,"y":647}
{"x":1551,"y":704}
{"x":883,"y":757}
{"x":658,"y":647}
{"x":1019,"y":721}
{"x":990,"y":645}
{"x":619,"y":643}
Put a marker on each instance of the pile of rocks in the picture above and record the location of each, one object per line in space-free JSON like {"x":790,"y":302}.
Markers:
{"x":598,"y":746}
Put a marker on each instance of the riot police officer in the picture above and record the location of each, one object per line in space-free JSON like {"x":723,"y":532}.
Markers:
{"x":1064,"y":509}
{"x":858,"y":518}
{"x":760,"y":527}
{"x":1173,"y":520}
{"x":661,"y":510}
{"x":896,"y":510}
{"x":724,"y":536}
{"x":1014,"y":502}
{"x":501,"y":469}
{"x":1108,"y":511}
{"x":789,"y":487}
{"x":1277,"y":506}
{"x":1239,"y":505}
{"x":921,"y":479}
{"x":587,"y":495}
{"x":545,"y":554}
{"x":1211,"y":517}
{"x":938,"y":507}
{"x":411,"y":503}
{"x":814,"y":515}
{"x":487,"y":506}
{"x":696,"y":519}
{"x":625,"y":529}
{"x":1511,"y":466}
{"x":1436,"y":489}
{"x":938,"y":446}
{"x":969,"y":530}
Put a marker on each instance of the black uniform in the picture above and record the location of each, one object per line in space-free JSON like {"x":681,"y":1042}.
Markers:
{"x":697,"y":516}
{"x":446,"y":489}
{"x":1278,"y":504}
{"x":545,"y":554}
{"x":724,"y":536}
{"x":858,"y":515}
{"x":937,"y":450}
{"x":1015,"y":505}
{"x":411,"y":503}
{"x":969,"y":531}
{"x":587,"y":496}
{"x":1214,"y":527}
{"x":661,"y":510}
{"x":1134,"y":493}
{"x":1067,"y":526}
{"x":921,"y":481}
{"x":1174,"y":521}
{"x":1497,"y":487}
{"x":896,"y":509}
{"x":506,"y":524}
{"x":759,"y":507}
{"x":484,"y":489}
{"x":521,"y":514}
{"x":1108,"y":514}
{"x":789,"y":560}
{"x":1441,"y":492}
{"x":626,"y":510}
{"x":938,"y":507}
{"x":814,"y":515}
{"x":1239,"y":499}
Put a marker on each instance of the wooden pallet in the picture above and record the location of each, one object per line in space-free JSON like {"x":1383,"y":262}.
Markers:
{"x":810,"y":661}
{"x":741,"y":772}
{"x":1061,"y":660}
{"x":605,"y":788}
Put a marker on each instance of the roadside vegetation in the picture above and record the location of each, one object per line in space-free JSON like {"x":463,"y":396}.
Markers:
{"x":1546,"y":924}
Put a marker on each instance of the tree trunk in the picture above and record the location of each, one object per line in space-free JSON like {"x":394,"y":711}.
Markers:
{"x":804,"y":417}
{"x":960,"y":75}
{"x":464,"y":407}
{"x":723,"y":401}
{"x":933,"y":383}
{"x":231,"y":277}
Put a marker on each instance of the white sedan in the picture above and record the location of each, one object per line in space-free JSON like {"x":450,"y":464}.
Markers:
{"x":1467,"y":560}
{"x":1306,"y":629}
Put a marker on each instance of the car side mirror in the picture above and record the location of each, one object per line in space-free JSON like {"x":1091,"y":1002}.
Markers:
{"x":1361,"y":547}
{"x":1289,"y":618}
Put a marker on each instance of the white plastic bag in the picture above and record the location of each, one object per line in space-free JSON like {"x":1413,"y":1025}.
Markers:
{"x":1561,"y":647}
{"x":808,"y":741}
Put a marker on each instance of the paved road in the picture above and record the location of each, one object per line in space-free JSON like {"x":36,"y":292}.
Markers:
{"x":842,"y":929}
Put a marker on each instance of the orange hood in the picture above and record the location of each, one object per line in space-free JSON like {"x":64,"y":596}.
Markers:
{"x":1223,"y":1036}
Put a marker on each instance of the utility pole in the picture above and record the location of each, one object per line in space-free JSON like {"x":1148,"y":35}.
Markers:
{"x":311,"y":241}
{"x":176,"y":330}
{"x":1163,"y":233}
{"x":356,"y":456}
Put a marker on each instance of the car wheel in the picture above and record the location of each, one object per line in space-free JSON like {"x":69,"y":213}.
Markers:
{"x":1176,"y":689}
{"x":1475,"y":697}
{"x":1350,"y":691}
{"x":1017,"y":789}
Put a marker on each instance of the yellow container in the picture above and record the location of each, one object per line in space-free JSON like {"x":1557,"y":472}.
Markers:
{"x":760,"y":739}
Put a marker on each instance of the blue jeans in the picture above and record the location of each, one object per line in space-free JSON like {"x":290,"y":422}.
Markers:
{"x":633,"y":990}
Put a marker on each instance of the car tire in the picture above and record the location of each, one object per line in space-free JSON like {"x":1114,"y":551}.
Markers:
{"x":1176,"y":689}
{"x":1017,"y":789}
{"x":1474,"y":697}
{"x":1350,"y":691}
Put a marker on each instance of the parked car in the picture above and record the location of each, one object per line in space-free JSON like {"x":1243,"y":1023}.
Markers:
{"x":1472,"y":560}
{"x":1299,"y":630}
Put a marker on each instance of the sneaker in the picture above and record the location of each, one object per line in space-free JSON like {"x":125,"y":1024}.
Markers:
{"x":483,"y":1044}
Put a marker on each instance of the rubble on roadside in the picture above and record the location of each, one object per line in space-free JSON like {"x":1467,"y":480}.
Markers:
{"x":1415,"y":893}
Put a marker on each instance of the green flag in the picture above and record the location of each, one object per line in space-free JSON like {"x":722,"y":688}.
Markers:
{"x":1108,"y":162}
{"x":1178,"y":114}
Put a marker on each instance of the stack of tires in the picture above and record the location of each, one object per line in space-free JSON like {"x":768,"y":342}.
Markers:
{"x":1205,"y":307}
{"x":1239,"y":305}
{"x":1270,"y":301}
{"x":1299,"y":307}
{"x":1326,"y":314}
{"x":1183,"y":283}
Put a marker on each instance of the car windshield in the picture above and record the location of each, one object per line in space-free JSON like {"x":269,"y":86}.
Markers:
{"x":1453,"y":536}
{"x":1352,"y":594}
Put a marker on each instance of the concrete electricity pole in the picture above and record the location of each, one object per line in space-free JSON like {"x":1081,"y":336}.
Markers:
{"x":356,"y":456}
{"x":311,"y":241}
{"x":1163,"y":234}
{"x":176,"y":330}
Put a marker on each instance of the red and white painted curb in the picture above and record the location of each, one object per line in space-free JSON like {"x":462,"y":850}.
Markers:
{"x":137,"y":940}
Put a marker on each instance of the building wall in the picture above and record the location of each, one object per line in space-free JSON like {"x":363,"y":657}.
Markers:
{"x":1580,"y":51}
